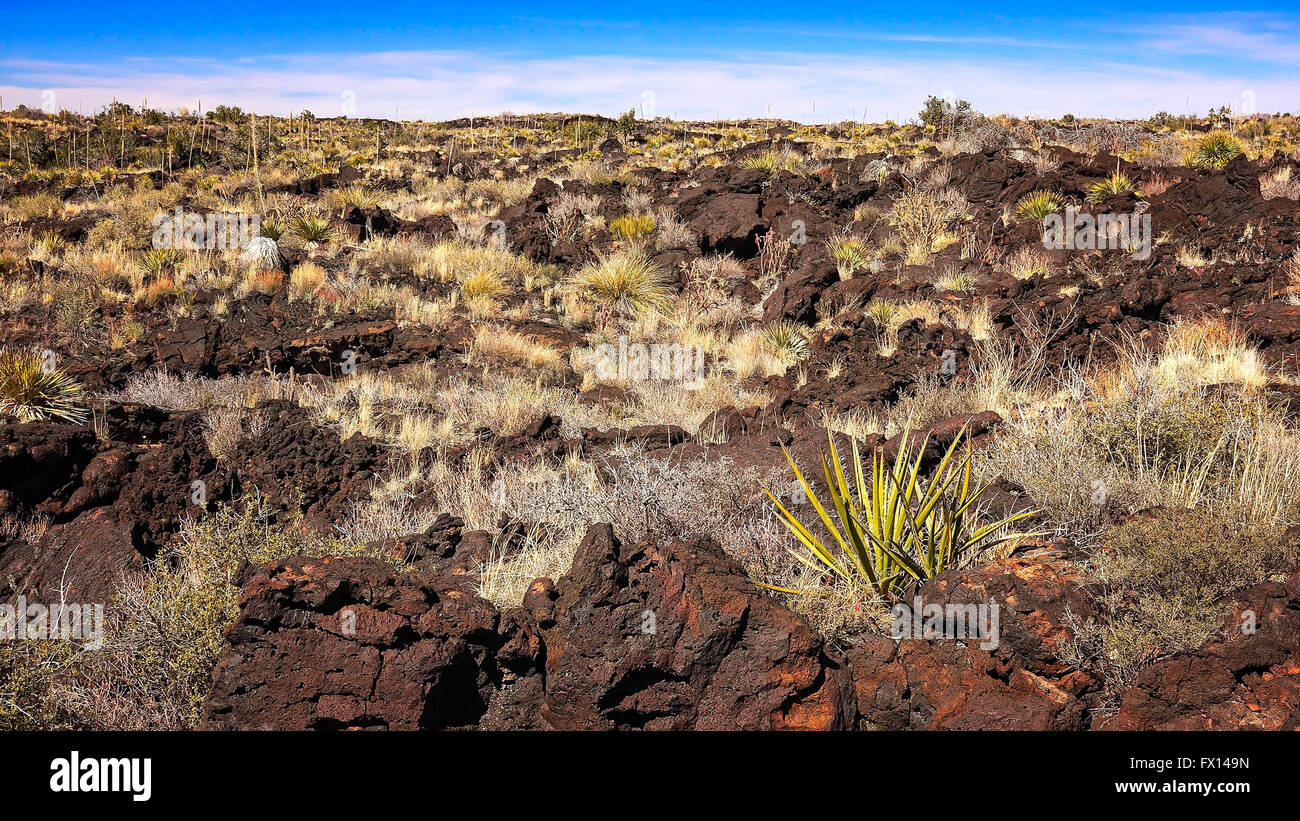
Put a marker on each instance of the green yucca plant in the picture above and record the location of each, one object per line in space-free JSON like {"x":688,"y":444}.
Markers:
{"x":850,"y":254}
{"x":273,"y":229}
{"x":883,"y":312}
{"x":1116,"y":183}
{"x":157,"y":260}
{"x":49,"y":244}
{"x":1037,"y":205}
{"x":32,"y":390}
{"x":311,"y":229}
{"x":894,"y":525}
{"x":788,"y":341}
{"x":766,"y":161}
{"x":354,"y":195}
{"x":1215,"y":150}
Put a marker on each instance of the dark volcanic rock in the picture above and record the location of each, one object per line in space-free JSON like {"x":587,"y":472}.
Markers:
{"x":38,"y":459}
{"x":677,"y":637}
{"x":303,"y":466}
{"x":646,"y":636}
{"x":351,"y":643}
{"x":1019,"y":685}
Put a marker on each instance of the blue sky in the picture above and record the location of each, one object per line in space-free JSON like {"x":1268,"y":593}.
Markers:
{"x":797,"y":60}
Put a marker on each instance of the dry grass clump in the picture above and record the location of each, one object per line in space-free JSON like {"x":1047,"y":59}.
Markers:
{"x":954,"y":279}
{"x":922,"y":218}
{"x":1026,"y":263}
{"x":305,"y":280}
{"x":226,"y":429}
{"x":500,"y":343}
{"x":1293,"y":278}
{"x":185,"y":392}
{"x":748,"y":354}
{"x":262,"y":282}
{"x":385,"y":516}
{"x":1180,"y":427}
{"x":660,"y":402}
{"x":1191,"y":256}
{"x":458,"y":260}
{"x":1208,"y":351}
{"x":717,"y":270}
{"x":671,"y":231}
{"x":396,"y":256}
{"x":570,"y":216}
{"x":34,"y":206}
{"x":626,"y":283}
{"x":1280,"y":182}
{"x":644,"y":496}
{"x":504,"y":405}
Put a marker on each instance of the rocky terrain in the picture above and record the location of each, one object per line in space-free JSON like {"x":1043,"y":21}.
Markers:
{"x":381,"y":464}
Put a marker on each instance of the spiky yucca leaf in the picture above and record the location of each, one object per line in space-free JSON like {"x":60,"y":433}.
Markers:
{"x":354,"y":195}
{"x":1116,"y":183}
{"x":158,"y":260}
{"x":311,"y":229}
{"x":883,"y":311}
{"x":788,"y":341}
{"x":850,"y":255}
{"x":1215,"y":150}
{"x":31,"y":390}
{"x":273,"y":229}
{"x":1037,"y":204}
{"x":893,"y":524}
{"x":49,"y":244}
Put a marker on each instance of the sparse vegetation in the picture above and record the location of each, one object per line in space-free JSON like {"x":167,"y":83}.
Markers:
{"x":480,"y":342}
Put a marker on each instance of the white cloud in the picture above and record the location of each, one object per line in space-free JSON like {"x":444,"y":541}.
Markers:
{"x":449,"y":84}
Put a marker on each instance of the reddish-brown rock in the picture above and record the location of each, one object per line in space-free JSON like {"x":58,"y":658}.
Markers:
{"x":1236,"y":681}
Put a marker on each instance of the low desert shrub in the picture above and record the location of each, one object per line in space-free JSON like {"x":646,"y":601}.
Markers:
{"x":1165,"y":580}
{"x":31,"y":675}
{"x":633,"y":229}
{"x":168,"y":623}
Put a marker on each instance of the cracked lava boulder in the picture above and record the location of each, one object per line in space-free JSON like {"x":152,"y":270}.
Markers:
{"x":632,"y":636}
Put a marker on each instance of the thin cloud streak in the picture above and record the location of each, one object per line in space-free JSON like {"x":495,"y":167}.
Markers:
{"x":448,"y":84}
